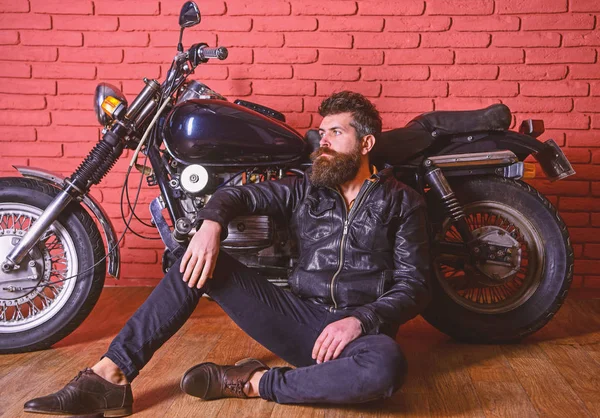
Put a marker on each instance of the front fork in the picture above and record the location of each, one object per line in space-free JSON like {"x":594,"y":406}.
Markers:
{"x":90,"y":172}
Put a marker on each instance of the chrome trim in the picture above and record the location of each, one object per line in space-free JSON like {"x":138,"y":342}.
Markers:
{"x":114,"y":257}
{"x":474,"y":159}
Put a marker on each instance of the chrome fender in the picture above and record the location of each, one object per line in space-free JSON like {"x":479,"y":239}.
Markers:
{"x":114,"y":257}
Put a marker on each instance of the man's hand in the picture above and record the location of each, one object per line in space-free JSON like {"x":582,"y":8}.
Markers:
{"x":335,"y":337}
{"x":200,"y":257}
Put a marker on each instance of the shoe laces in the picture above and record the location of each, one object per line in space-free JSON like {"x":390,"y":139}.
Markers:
{"x":236,"y":386}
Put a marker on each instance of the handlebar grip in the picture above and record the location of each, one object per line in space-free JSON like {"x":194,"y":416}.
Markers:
{"x":205,"y":53}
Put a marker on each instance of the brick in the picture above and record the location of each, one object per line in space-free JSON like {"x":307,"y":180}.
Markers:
{"x":554,"y":88}
{"x":584,"y":235}
{"x":595,"y":189}
{"x":299,"y":120}
{"x":324,"y":8}
{"x":533,"y":72}
{"x":81,"y":151}
{"x":524,"y":104}
{"x":14,"y":101}
{"x":560,"y":56}
{"x":24,"y":21}
{"x":143,"y":256}
{"x":282,"y":104}
{"x":561,"y":188}
{"x":558,"y":22}
{"x":415,"y":89}
{"x":257,"y":72}
{"x":367,"y":88}
{"x":576,"y":219}
{"x":489,"y":56}
{"x":80,"y":87}
{"x":464,"y":72}
{"x":230,"y":88}
{"x":285,"y":56}
{"x":318,"y":40}
{"x":14,"y":6}
{"x":170,"y":39}
{"x":592,"y":251}
{"x":59,"y":7}
{"x":268,"y":40}
{"x":595,"y":219}
{"x":396,"y":120}
{"x":86,"y":23}
{"x":17,"y":134}
{"x":33,"y":87}
{"x":70,"y":102}
{"x":284,"y":24}
{"x":148,"y":55}
{"x":452,"y":40}
{"x":326,"y":72}
{"x":210,"y":8}
{"x":527,"y":39}
{"x":353,"y":57}
{"x":18,"y":53}
{"x":584,"y":139}
{"x":17,"y":149}
{"x":9,"y":37}
{"x":578,"y":156}
{"x":560,"y":120}
{"x":141,"y":271}
{"x":128,"y":71}
{"x":408,"y":105}
{"x":587,"y":172}
{"x":405,"y":72}
{"x":42,"y":38}
{"x":91,"y":55}
{"x":530,"y":6}
{"x":68,"y":134}
{"x":595,"y":88}
{"x":483,"y":89}
{"x":585,"y":6}
{"x":284,"y":88}
{"x":420,"y":56}
{"x":93,"y":39}
{"x":64,"y":71}
{"x":589,"y":104}
{"x":580,"y":204}
{"x":270,"y":8}
{"x":386,"y":40}
{"x":493,"y":23}
{"x":74,"y":118}
{"x":239,"y":56}
{"x":582,"y":39}
{"x":586,"y":267}
{"x":386,"y":8}
{"x":351,"y":24}
{"x":460,"y":7}
{"x":15,"y":70}
{"x":210,"y":72}
{"x":417,"y":24}
{"x":123,"y":8}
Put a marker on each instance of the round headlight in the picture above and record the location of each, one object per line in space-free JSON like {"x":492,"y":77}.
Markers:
{"x":103,"y":90}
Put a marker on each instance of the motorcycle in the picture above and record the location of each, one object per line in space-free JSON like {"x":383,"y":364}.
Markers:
{"x":502,"y":260}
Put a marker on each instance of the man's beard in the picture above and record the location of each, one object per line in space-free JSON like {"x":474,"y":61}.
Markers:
{"x":336,"y":169}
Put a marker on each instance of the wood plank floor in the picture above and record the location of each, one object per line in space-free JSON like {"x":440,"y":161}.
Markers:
{"x":554,"y":373}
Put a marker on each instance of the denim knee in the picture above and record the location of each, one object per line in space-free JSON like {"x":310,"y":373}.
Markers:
{"x":386,"y":370}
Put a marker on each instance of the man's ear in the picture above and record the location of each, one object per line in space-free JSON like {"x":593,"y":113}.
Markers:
{"x":367,"y":144}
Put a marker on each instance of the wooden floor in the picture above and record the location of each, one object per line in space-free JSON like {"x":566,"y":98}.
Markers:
{"x":554,"y":373}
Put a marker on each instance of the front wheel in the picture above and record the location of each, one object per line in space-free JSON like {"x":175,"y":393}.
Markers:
{"x":39,"y":302}
{"x":516,"y":295}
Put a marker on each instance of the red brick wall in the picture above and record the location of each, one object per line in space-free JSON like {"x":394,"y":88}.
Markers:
{"x":540,"y":57}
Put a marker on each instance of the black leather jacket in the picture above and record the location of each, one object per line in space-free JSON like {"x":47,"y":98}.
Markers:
{"x":371,"y":261}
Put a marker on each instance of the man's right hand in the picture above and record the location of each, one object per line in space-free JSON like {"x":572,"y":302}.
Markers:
{"x":200,"y":258}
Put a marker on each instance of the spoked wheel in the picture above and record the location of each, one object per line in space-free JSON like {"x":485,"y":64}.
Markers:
{"x":526,"y":273}
{"x":41,"y":302}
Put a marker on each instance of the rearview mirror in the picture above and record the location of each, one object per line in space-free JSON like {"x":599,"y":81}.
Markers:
{"x":190,"y":15}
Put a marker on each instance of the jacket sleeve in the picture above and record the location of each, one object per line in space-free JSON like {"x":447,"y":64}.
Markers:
{"x":410,"y":291}
{"x":274,"y":198}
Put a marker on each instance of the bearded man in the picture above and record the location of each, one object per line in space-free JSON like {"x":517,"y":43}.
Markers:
{"x":362,"y":271}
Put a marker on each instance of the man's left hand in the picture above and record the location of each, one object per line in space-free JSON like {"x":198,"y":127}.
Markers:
{"x":335,"y":337}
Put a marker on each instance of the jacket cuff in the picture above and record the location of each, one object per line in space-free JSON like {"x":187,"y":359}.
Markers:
{"x":369,"y":321}
{"x":213,"y":215}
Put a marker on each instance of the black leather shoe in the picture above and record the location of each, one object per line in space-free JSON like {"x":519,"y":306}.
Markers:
{"x":86,"y":394}
{"x":211,"y":381}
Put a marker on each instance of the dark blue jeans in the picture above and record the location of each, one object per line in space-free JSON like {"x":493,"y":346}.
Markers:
{"x":370,"y":367}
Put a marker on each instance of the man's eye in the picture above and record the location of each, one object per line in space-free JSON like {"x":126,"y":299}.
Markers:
{"x":336,"y":132}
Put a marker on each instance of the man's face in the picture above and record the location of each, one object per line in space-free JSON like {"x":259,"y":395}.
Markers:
{"x":338,"y":159}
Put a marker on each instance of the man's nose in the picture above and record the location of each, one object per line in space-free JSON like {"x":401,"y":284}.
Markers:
{"x":324,"y":142}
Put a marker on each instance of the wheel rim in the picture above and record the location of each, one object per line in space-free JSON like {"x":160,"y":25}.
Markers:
{"x":53,"y":259}
{"x":470,"y":285}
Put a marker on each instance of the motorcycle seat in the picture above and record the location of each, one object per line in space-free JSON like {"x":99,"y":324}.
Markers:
{"x":496,"y":117}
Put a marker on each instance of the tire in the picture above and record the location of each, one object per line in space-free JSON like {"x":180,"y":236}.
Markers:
{"x":73,"y":247}
{"x":465,"y":304}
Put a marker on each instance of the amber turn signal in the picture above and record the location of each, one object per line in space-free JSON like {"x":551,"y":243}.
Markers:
{"x":112,"y":106}
{"x":528,"y":170}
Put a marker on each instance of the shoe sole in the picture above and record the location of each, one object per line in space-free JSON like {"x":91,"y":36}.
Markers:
{"x":110,"y":413}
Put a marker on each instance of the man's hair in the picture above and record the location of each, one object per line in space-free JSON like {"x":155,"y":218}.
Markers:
{"x":366,"y":119}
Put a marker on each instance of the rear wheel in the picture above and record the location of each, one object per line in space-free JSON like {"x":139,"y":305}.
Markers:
{"x":492,"y":301}
{"x":39,"y":303}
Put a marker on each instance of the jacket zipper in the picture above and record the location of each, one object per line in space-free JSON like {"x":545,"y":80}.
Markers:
{"x":347,"y":220}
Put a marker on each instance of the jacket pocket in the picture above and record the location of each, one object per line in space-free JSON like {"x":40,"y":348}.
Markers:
{"x":375,"y":231}
{"x":316,"y":219}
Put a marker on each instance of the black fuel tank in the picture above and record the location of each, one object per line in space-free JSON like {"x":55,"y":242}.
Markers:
{"x":219,"y":133}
